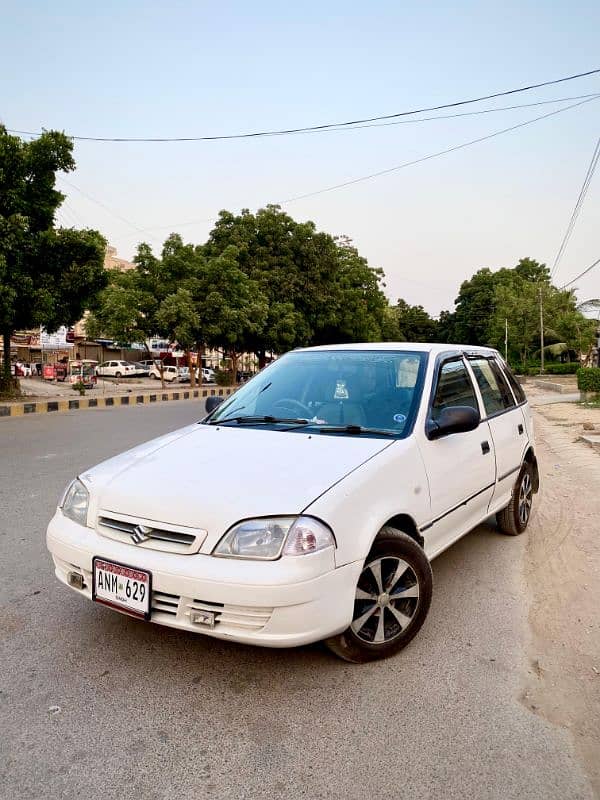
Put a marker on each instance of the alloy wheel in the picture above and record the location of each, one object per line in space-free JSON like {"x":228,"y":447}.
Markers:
{"x":525,"y":498}
{"x":386,"y":600}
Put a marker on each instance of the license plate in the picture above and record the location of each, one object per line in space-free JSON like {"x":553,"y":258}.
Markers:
{"x":125,"y":588}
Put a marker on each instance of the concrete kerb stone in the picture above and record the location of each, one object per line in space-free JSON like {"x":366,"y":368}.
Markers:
{"x":117,"y":401}
{"x":554,"y":386}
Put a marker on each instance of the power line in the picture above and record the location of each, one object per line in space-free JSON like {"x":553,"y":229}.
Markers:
{"x":334,"y":125}
{"x":433,"y":155}
{"x":578,"y":206}
{"x":393,"y":169}
{"x":115,"y":214}
{"x":581,"y":274}
{"x":350,"y":127}
{"x":459,"y":114}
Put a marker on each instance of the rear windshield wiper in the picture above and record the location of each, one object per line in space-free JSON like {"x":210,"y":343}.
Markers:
{"x":356,"y":430}
{"x":266,"y":420}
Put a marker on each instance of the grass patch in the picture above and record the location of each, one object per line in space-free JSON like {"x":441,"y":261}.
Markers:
{"x":589,"y":403}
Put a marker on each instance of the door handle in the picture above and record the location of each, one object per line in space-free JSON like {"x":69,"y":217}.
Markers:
{"x":485,"y":448}
{"x":520,"y":430}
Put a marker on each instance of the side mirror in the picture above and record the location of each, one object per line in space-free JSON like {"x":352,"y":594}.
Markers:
{"x":457,"y":419}
{"x":212,"y":402}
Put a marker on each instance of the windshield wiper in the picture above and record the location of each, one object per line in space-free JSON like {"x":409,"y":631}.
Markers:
{"x":266,"y":420}
{"x":356,"y":430}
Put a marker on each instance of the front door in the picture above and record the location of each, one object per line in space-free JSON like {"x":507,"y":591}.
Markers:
{"x":460,"y":467}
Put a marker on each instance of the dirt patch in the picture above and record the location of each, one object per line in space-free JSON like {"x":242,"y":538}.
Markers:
{"x":571,"y":415}
{"x":563,"y":577}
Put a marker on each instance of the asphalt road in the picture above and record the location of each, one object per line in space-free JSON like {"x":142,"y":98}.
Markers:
{"x":94,"y":704}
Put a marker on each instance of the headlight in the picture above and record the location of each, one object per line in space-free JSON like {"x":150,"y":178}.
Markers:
{"x":267,"y":539}
{"x":75,"y":502}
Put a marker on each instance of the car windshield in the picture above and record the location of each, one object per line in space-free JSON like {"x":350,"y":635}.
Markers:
{"x":337,"y":391}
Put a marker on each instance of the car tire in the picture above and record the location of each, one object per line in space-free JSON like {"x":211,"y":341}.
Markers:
{"x":117,"y":374}
{"x":378,"y":615}
{"x":513,"y":519}
{"x":153,"y":376}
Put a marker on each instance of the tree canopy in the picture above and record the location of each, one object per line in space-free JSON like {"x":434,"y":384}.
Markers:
{"x":491,"y":304}
{"x":48,"y":276}
{"x":261,"y":283}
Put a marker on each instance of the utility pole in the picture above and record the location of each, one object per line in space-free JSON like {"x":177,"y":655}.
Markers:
{"x":542,"y":330}
{"x":506,"y":340}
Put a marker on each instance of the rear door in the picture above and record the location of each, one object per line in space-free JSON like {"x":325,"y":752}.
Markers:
{"x":460,"y":467}
{"x":506,"y":422}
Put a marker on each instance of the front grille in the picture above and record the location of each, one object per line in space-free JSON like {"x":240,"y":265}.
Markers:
{"x":227,"y":616}
{"x":153,"y":536}
{"x":165,"y":603}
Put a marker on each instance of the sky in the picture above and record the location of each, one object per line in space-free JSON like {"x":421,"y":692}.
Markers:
{"x":152,"y":69}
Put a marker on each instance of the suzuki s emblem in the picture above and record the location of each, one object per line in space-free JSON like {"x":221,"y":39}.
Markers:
{"x":140,"y":533}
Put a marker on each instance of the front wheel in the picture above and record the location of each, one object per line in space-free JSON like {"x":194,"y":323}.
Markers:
{"x":514,"y":519}
{"x":392,"y":599}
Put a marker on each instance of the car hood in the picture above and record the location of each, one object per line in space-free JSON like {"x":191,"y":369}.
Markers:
{"x":211,"y":477}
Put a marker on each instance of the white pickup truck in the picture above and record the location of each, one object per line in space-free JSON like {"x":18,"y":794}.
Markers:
{"x":309,"y":503}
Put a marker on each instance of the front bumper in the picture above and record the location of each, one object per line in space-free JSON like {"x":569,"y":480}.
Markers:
{"x":284,"y":603}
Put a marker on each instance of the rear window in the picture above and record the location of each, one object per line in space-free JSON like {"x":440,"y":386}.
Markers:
{"x":514,"y":384}
{"x":492,"y":384}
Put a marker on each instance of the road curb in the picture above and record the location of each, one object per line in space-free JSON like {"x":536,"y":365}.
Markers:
{"x":115,"y":401}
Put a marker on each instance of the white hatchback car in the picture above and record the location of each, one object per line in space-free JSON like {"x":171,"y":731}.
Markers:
{"x":169,"y":373}
{"x":348,"y":469}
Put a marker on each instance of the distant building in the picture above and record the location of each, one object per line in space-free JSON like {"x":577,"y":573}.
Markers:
{"x":112,"y":261}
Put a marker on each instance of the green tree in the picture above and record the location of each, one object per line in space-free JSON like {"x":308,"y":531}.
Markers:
{"x":414,"y":323}
{"x":232,"y":308}
{"x":187,"y":296}
{"x":318,"y":288}
{"x":517,"y":309}
{"x":532,"y":271}
{"x":48,"y":276}
{"x":119,"y":313}
{"x":446,"y":327}
{"x":474,"y":317}
{"x":178,"y":315}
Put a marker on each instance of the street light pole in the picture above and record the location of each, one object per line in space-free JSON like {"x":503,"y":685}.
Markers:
{"x":542,"y":331}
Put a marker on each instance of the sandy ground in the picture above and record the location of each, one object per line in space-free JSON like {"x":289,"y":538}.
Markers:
{"x":562,"y":573}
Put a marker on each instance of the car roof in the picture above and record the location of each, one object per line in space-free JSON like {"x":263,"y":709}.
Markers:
{"x":417,"y":347}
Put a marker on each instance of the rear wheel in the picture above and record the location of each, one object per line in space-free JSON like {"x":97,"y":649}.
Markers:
{"x":513,"y":519}
{"x":117,"y":374}
{"x":392,"y":599}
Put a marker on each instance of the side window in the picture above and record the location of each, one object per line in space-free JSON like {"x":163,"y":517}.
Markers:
{"x":514,"y":384}
{"x":494,"y":389}
{"x":454,"y":388}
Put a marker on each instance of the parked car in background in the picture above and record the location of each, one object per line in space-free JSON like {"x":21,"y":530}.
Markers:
{"x":116,"y":369}
{"x":208,"y":374}
{"x":353,"y":465}
{"x":149,"y":362}
{"x":142,"y":369}
{"x":184,"y":374}
{"x":170,"y":373}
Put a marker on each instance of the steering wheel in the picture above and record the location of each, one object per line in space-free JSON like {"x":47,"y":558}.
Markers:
{"x":289,"y":402}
